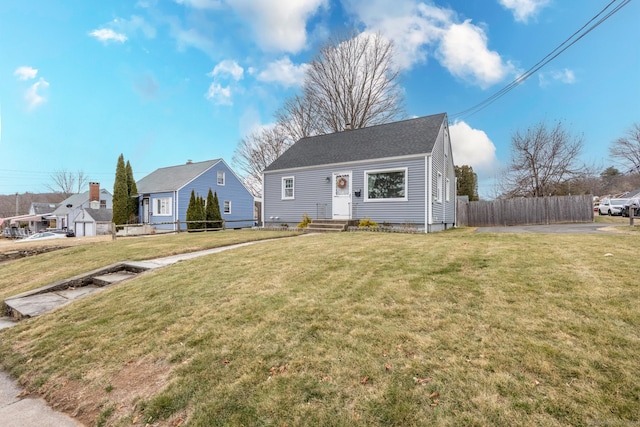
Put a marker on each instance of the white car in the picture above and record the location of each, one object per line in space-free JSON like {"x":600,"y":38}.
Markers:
{"x":46,"y":235}
{"x":611,"y":206}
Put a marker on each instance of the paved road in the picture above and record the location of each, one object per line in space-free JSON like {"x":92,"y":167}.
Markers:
{"x":582,"y":228}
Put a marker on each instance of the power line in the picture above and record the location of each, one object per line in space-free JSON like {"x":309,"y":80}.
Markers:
{"x":570,"y":41}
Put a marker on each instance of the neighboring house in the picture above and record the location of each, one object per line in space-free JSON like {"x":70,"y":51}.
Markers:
{"x":164,"y":194}
{"x":398,"y":173}
{"x":93,"y":222}
{"x":72,"y":207}
{"x":41,"y":215}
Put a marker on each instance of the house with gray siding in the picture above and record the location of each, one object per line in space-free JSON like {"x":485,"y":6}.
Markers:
{"x":399,"y":173}
{"x":163,"y":195}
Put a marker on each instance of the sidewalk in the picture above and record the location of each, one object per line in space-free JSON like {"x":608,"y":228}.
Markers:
{"x":18,"y":411}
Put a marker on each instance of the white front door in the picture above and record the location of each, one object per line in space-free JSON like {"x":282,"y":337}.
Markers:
{"x":341,"y":205}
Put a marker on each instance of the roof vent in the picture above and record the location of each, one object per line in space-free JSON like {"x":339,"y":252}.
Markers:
{"x":347,"y":126}
{"x":189,"y":161}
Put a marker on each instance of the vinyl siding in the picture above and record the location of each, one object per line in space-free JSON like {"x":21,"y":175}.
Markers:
{"x":158,"y":220}
{"x":313,"y":194}
{"x":242,"y":213}
{"x":443,"y":211}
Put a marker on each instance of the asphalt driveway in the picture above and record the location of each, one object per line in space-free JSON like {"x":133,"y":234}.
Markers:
{"x":579,"y":228}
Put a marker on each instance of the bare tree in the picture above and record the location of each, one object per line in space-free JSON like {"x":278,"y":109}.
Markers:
{"x":298,"y":118}
{"x":257,"y":151}
{"x":627,"y":149}
{"x":82,"y":179}
{"x":67,"y":183}
{"x":353,"y":81}
{"x":543,"y":161}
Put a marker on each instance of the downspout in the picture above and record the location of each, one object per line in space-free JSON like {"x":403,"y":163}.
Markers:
{"x":429,"y":216}
{"x":264,"y":199}
{"x":177,"y":211}
{"x":455,"y":202}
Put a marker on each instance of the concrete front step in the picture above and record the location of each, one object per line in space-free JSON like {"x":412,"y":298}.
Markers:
{"x":38,"y":301}
{"x":329,"y":225}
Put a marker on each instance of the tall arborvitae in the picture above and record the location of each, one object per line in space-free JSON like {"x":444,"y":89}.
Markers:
{"x":120,"y":198}
{"x":209,"y":211}
{"x":217,"y":216}
{"x":132,"y":190}
{"x":191,"y":212}
{"x":201,"y":213}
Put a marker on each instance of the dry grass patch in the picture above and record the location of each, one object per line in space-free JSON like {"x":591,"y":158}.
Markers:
{"x":359,"y":329}
{"x":85,"y":254}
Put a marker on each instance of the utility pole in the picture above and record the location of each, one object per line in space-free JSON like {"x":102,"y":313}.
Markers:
{"x":17,"y":204}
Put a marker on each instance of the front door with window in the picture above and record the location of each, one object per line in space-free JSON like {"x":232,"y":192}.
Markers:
{"x":341,"y":205}
{"x":145,"y":210}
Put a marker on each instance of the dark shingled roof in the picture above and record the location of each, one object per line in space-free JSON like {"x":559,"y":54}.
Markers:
{"x":100,"y":215}
{"x":173,"y":177}
{"x":404,"y":138}
{"x":41,"y":208}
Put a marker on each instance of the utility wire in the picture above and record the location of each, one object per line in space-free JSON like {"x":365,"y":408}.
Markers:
{"x":544,"y":61}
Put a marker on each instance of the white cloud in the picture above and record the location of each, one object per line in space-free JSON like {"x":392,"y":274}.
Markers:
{"x":34,"y":96}
{"x":472,"y":147}
{"x":201,"y":4}
{"x":463,"y":51}
{"x":228,"y":67}
{"x":565,"y":76}
{"x":107,"y":35}
{"x":413,"y":27}
{"x":134,"y":24}
{"x":281,"y":25}
{"x":219,"y":95}
{"x":25,"y":73}
{"x":419,"y":30}
{"x":284,"y":72}
{"x":191,"y":38}
{"x":524,"y":9}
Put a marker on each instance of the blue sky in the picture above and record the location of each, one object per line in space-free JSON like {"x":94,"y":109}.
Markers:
{"x":166,"y":81}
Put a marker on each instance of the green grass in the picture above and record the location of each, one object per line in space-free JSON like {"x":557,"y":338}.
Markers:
{"x":354,"y":329}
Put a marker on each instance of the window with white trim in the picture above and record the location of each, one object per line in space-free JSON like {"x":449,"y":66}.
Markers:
{"x":220,"y":177}
{"x":439,"y":188}
{"x":227,"y":206}
{"x":288,"y":188}
{"x":162,"y":206}
{"x":385,"y":185}
{"x":447,"y":190}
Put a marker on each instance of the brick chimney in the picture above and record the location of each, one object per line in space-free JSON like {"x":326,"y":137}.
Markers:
{"x":94,"y":192}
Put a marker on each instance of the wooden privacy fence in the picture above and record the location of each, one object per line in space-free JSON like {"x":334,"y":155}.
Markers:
{"x":523,"y":211}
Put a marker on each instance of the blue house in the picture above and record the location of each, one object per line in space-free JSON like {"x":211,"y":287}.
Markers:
{"x":400,"y":174}
{"x":164,"y":194}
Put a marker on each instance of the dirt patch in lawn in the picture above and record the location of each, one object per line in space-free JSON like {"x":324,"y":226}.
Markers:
{"x":116,"y":397}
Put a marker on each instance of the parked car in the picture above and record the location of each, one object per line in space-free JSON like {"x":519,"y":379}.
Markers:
{"x":631,"y":203}
{"x":46,"y":235}
{"x":611,"y":206}
{"x":68,"y":233}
